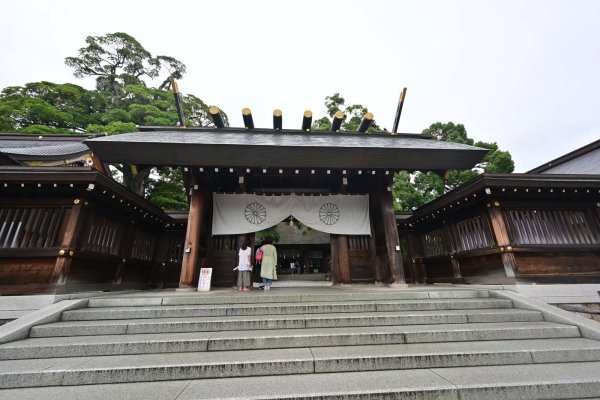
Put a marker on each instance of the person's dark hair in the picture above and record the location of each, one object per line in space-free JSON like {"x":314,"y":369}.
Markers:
{"x":268,"y":240}
{"x":245,"y":244}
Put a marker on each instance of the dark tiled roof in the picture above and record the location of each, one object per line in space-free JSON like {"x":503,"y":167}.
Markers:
{"x":236,"y":147}
{"x":584,"y":160}
{"x":31,"y":147}
{"x":588,"y":163}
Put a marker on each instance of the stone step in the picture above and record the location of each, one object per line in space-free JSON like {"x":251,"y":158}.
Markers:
{"x":514,"y":382}
{"x":143,"y":312}
{"x":296,"y":321}
{"x":255,"y":363}
{"x":236,"y":297}
{"x":79,"y":346}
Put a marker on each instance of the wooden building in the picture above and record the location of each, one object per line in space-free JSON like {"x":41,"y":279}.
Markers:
{"x":280,"y":162}
{"x":507,"y":229}
{"x":67,"y":229}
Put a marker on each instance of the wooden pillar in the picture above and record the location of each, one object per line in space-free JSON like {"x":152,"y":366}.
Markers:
{"x":392,"y":241}
{"x":344,"y":259}
{"x":189,"y":264}
{"x":373,"y":251}
{"x":449,"y":246}
{"x":335,"y":263}
{"x":73,"y":224}
{"x":124,"y":248}
{"x":502,"y":238}
{"x":416,"y":258}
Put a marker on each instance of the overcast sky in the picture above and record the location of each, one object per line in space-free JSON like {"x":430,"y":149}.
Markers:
{"x":525,"y":74}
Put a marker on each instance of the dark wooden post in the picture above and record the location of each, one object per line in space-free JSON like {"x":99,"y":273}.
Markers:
{"x":502,"y":238}
{"x":68,"y":243}
{"x":335,"y":263}
{"x":124,"y":248}
{"x":343,"y":259}
{"x":189,"y":264}
{"x":373,"y":250}
{"x":416,"y":253}
{"x":392,"y":240}
{"x":449,"y":245}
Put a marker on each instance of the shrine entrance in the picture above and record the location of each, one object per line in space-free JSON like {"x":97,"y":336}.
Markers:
{"x":278,"y":163}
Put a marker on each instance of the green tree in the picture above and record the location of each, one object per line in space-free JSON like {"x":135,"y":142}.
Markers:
{"x":413,"y":191}
{"x":353,"y":115}
{"x":46,"y":107}
{"x":118,"y":59}
{"x":166,"y":190}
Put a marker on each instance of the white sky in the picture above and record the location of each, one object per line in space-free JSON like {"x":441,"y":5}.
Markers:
{"x":525,"y":74}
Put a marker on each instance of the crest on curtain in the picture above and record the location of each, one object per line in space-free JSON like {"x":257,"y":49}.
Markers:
{"x":245,"y":213}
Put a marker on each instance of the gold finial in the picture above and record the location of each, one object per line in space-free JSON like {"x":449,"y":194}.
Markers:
{"x":76,"y":201}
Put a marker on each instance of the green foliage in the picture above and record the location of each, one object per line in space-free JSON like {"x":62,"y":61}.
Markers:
{"x":166,"y":189}
{"x":118,"y":59}
{"x":353,"y":115}
{"x":62,"y":108}
{"x":271,"y":232}
{"x":413,"y":191}
{"x":121,"y":101}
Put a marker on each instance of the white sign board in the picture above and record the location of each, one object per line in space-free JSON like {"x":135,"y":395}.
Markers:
{"x":204,"y":281}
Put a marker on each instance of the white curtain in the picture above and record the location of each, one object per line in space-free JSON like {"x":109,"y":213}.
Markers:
{"x":245,"y":213}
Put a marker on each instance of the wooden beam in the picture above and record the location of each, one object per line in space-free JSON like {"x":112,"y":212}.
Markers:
{"x":277,"y":119}
{"x":365,"y":123}
{"x":502,"y":238}
{"x":177,"y":97}
{"x":392,"y":240}
{"x":189,"y":265}
{"x":307,"y":120}
{"x":247,"y":117}
{"x":216,"y":116}
{"x":399,"y":110}
{"x":97,"y":164}
{"x":335,"y":262}
{"x":338,"y":118}
{"x":73,"y":223}
{"x":449,"y":245}
{"x":344,"y":259}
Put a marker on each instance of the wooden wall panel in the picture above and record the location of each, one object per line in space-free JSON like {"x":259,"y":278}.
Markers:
{"x":439,"y":270}
{"x":26,"y":271}
{"x":545,"y":264}
{"x":361,"y":268}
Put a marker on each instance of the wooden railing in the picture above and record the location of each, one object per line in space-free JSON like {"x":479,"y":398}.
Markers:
{"x":472,"y":233}
{"x":143,"y":245}
{"x":360,"y":242}
{"x":433,"y":243}
{"x":224,"y":242}
{"x":102,"y":235}
{"x":29,"y":227}
{"x":551,"y":226}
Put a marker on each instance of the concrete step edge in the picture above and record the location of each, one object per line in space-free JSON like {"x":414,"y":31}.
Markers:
{"x":122,"y":369}
{"x":287,"y":338}
{"x":273,"y":296}
{"x":294,"y":321}
{"x":283,"y":308}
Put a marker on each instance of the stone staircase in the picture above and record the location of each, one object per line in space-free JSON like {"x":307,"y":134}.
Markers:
{"x":298,"y":343}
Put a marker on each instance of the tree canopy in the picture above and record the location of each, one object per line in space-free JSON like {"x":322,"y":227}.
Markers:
{"x":353,"y":113}
{"x":415,"y":188}
{"x":122,"y":99}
